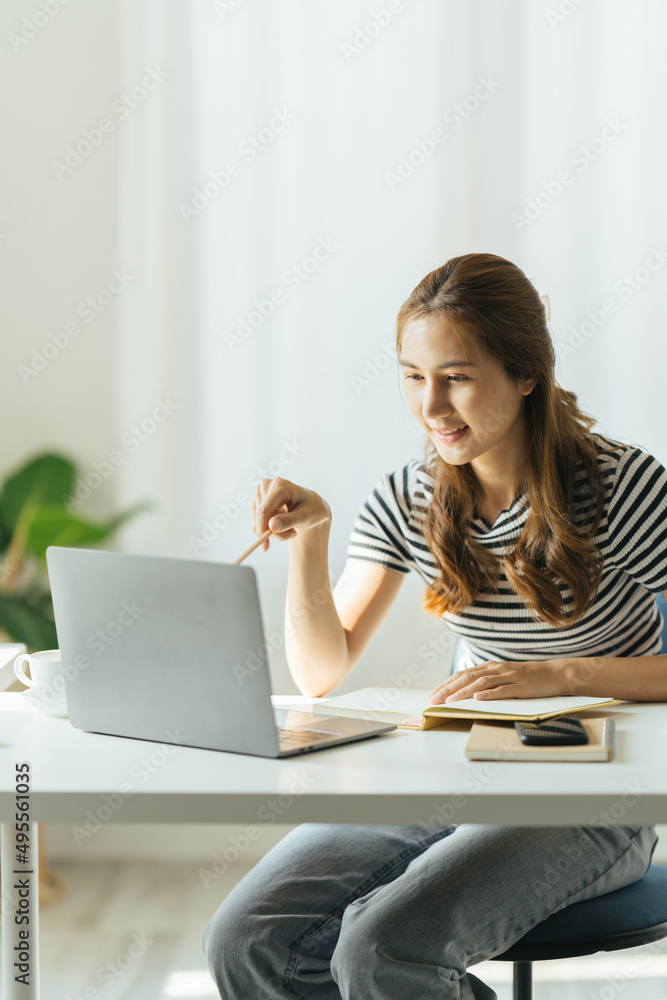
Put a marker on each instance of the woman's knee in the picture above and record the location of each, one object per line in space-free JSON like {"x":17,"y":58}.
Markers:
{"x":241,"y":953}
{"x":223,"y":934}
{"x":236,"y":933}
{"x":363,"y":939}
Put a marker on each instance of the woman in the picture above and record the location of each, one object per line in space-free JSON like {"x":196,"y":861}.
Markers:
{"x":543,"y":545}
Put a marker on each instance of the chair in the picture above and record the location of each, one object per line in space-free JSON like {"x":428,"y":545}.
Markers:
{"x":626,"y":918}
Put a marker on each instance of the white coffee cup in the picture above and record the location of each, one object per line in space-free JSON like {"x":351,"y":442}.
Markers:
{"x":46,"y":680}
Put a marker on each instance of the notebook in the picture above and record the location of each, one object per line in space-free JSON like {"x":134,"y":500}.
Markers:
{"x":410,"y":708}
{"x":500,"y":741}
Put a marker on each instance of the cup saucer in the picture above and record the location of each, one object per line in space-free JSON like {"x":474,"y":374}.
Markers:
{"x":54,"y":709}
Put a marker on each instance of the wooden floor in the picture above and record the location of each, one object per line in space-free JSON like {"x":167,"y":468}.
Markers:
{"x":132,"y":931}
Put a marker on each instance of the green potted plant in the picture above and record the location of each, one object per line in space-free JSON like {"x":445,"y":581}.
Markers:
{"x":34,"y":514}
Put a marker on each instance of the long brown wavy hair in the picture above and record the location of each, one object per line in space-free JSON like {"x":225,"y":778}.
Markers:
{"x":492,"y":301}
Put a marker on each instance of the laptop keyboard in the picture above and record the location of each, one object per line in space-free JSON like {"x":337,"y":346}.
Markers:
{"x":289,"y":738}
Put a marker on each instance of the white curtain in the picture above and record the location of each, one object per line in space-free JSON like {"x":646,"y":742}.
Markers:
{"x":302,"y":167}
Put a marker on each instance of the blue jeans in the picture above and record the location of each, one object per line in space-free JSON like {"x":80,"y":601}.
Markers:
{"x":399,"y":912}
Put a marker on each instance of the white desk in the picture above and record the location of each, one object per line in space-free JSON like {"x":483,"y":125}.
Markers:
{"x":397,"y":778}
{"x":403,"y":777}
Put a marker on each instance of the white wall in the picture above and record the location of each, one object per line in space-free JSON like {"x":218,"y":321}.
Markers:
{"x":58,"y":245}
{"x":58,"y":242}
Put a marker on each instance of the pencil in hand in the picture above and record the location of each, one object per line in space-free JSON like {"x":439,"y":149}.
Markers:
{"x":254,"y":545}
{"x":267,"y":534}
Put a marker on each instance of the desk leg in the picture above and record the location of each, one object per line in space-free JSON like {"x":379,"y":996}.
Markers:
{"x":20,"y":896}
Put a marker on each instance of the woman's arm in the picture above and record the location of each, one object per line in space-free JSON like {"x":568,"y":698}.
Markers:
{"x":628,"y":678}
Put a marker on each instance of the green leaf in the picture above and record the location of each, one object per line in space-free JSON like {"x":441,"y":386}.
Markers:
{"x":115,"y":523}
{"x":5,"y":536}
{"x":44,"y":480}
{"x":55,"y":526}
{"x":34,"y":514}
{"x":28,"y":623}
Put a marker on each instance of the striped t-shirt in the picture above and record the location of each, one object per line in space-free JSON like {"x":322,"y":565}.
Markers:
{"x":632,"y":536}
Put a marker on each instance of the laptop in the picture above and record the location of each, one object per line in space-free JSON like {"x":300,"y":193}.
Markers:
{"x":173,"y":650}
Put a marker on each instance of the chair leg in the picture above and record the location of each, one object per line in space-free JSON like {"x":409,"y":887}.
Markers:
{"x":522,"y":981}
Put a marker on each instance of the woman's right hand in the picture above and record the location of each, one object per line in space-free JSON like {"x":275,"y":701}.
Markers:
{"x":300,"y":511}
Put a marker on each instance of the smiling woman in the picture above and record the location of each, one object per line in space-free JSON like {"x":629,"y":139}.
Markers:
{"x":522,"y":432}
{"x":545,"y":541}
{"x":543,"y":545}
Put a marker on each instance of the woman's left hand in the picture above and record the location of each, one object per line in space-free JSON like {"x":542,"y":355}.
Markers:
{"x":500,"y":679}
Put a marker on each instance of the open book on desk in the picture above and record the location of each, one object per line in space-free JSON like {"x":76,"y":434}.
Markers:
{"x":410,"y":708}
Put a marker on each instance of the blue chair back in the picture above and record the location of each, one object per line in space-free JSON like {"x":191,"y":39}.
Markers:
{"x":662,"y":608}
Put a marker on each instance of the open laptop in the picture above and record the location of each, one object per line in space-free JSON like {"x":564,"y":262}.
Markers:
{"x":173,"y":650}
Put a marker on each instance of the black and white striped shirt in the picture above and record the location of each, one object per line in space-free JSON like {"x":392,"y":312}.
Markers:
{"x":632,"y":536}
